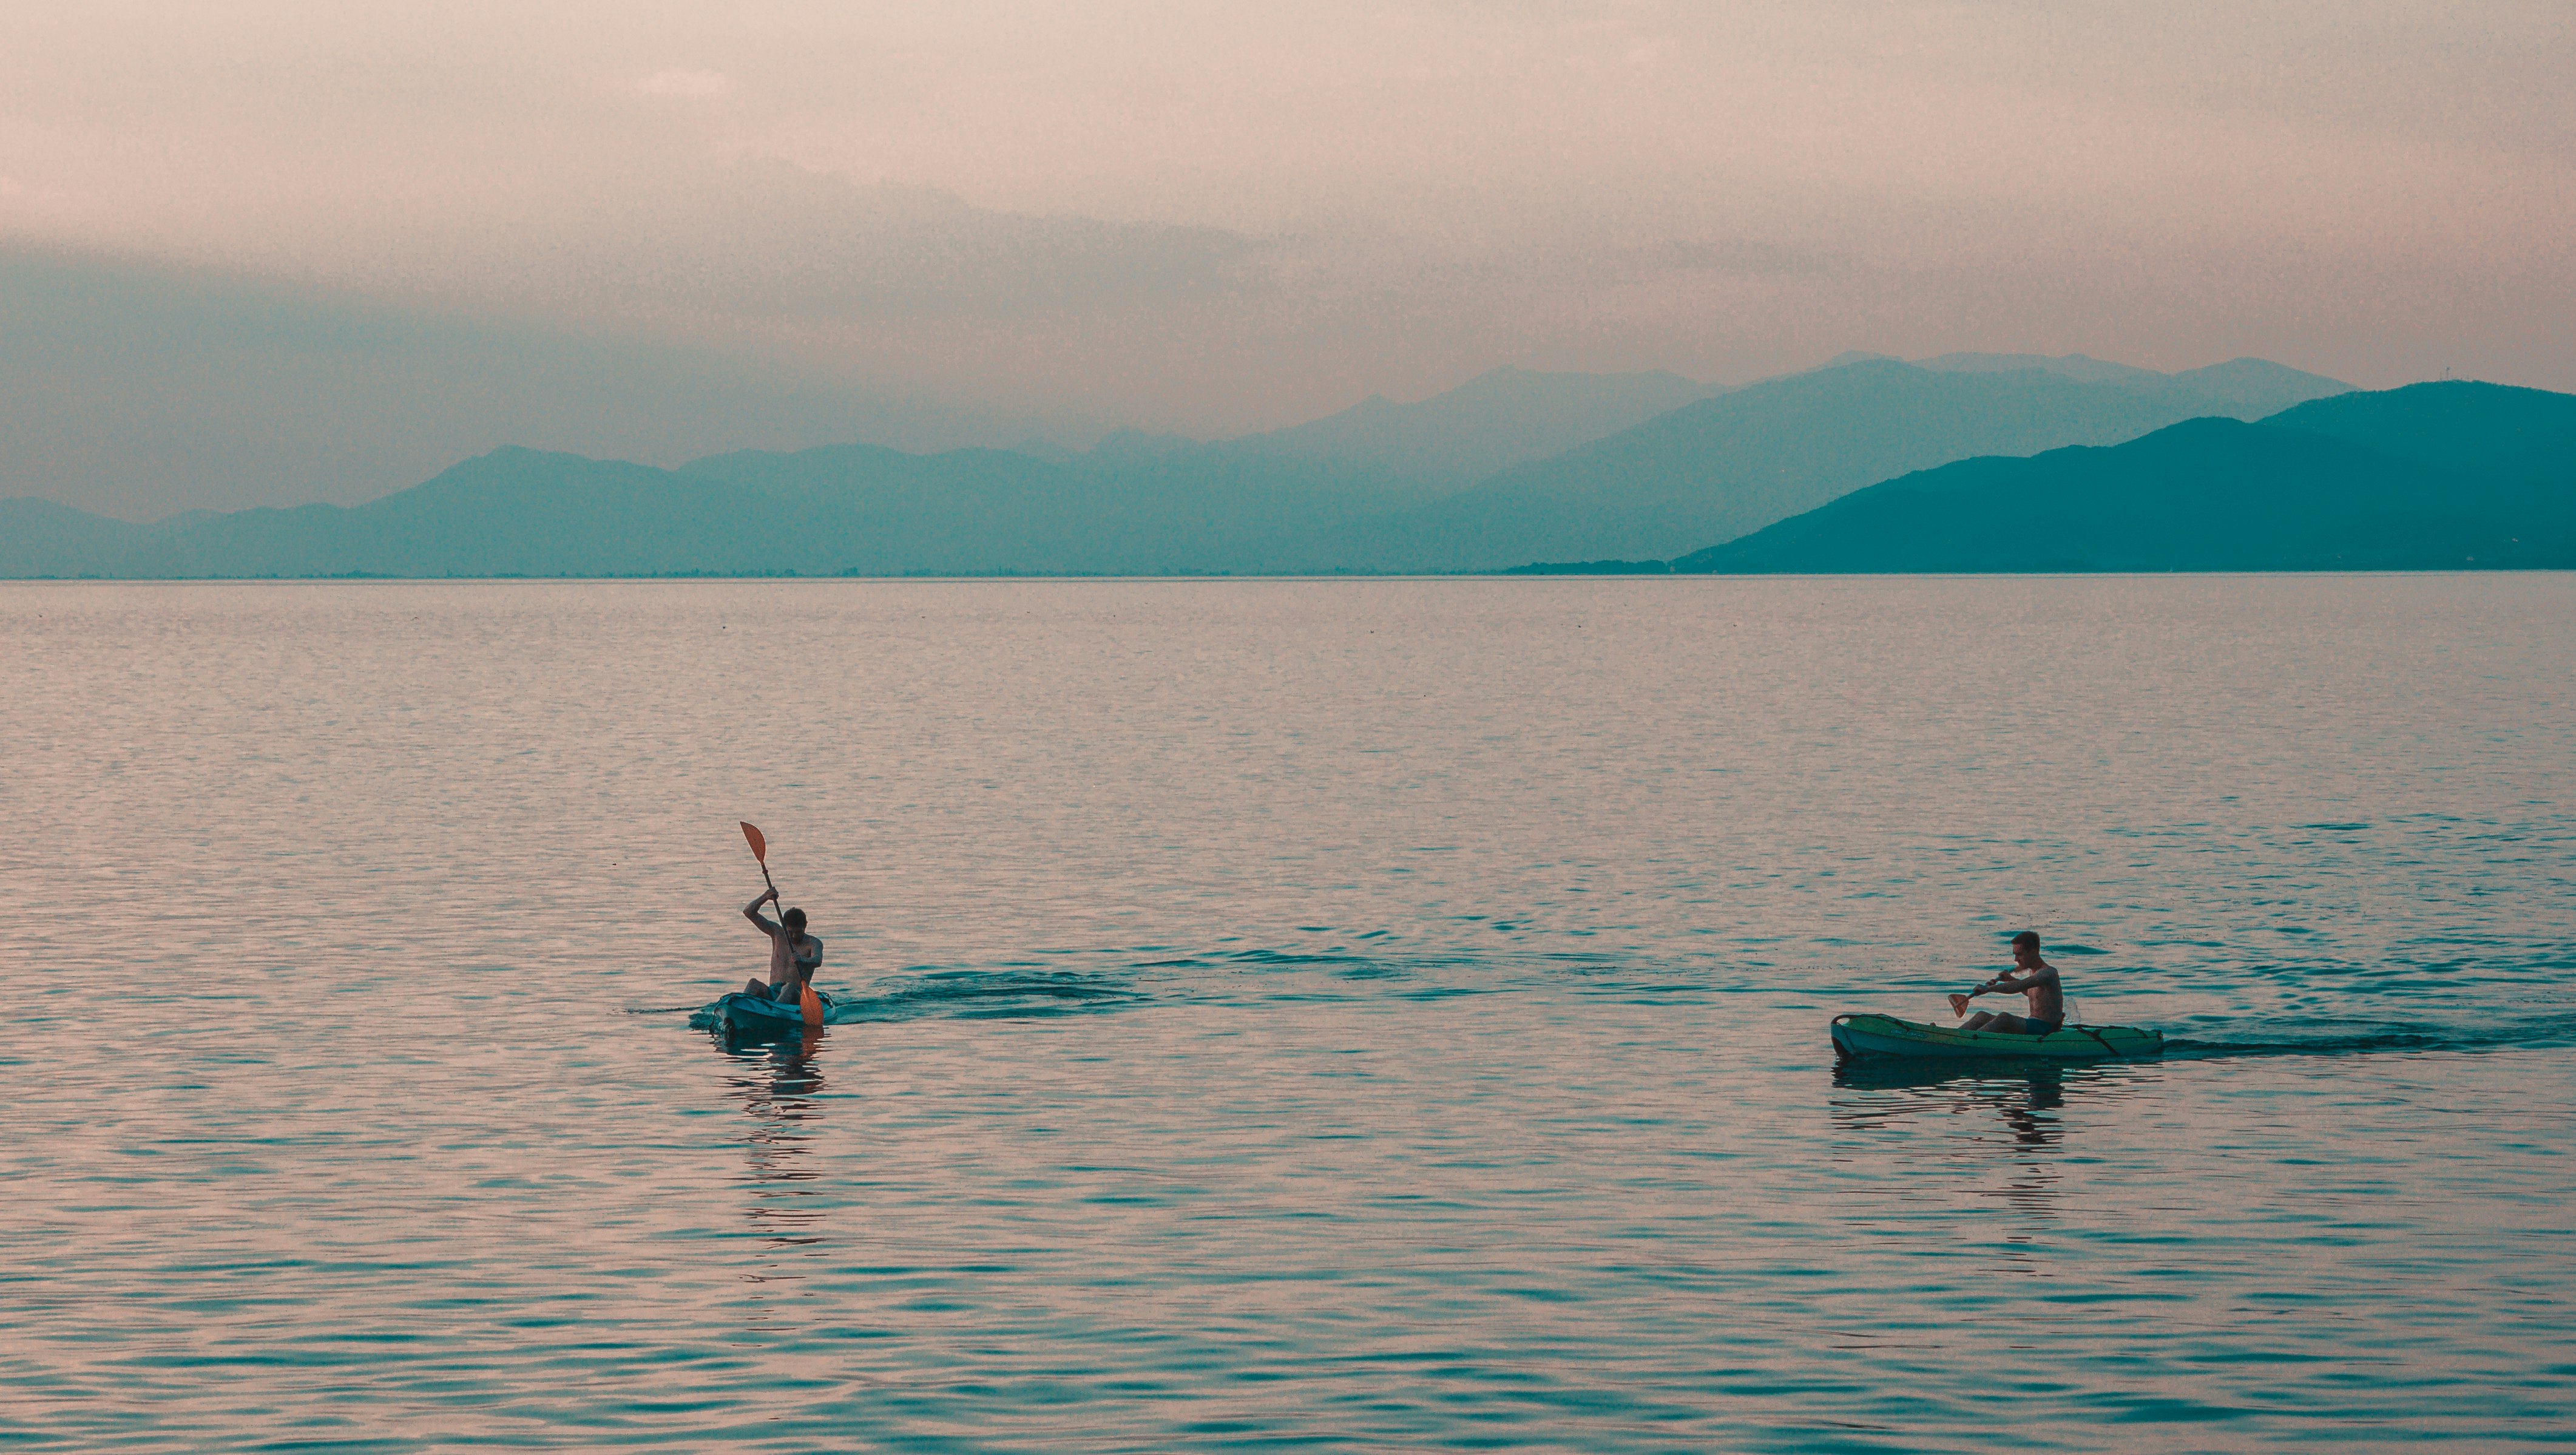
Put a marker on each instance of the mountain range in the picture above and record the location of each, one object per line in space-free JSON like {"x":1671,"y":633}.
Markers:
{"x":1513,"y":467}
{"x":1135,"y":503}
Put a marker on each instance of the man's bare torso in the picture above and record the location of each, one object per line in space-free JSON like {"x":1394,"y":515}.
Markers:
{"x":2047,"y":1001}
{"x":787,"y":953}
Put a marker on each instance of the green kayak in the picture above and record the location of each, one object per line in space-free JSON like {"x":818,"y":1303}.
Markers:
{"x":1885,"y":1035}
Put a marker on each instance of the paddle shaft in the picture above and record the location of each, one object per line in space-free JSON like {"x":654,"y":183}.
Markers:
{"x":773,"y":889}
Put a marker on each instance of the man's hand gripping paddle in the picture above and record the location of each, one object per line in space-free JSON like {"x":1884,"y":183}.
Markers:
{"x":811,"y":1003}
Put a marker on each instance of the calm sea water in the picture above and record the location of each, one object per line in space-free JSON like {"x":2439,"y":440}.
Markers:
{"x":1342,"y":1015}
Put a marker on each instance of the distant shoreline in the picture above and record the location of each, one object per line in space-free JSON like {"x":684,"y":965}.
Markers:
{"x":1513,"y":574}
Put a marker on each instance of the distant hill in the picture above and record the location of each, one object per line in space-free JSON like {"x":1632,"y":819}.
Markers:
{"x":1500,"y":418}
{"x":846,"y":509}
{"x":2479,"y":429}
{"x":41,"y":538}
{"x":2238,"y":389}
{"x":1496,"y":420}
{"x":512,"y":512}
{"x":2082,"y":368}
{"x":1741,"y":460}
{"x":1137,"y":504}
{"x":2470,"y":476}
{"x":833,"y":511}
{"x":1144,"y":503}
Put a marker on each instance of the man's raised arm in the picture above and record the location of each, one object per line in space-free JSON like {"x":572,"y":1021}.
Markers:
{"x":751,"y":911}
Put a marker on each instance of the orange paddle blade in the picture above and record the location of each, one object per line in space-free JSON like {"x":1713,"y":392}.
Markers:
{"x":813,"y":1009}
{"x":759,"y":845}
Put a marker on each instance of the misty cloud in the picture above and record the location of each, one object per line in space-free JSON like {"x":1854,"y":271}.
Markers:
{"x":766,"y":240}
{"x":139,"y":389}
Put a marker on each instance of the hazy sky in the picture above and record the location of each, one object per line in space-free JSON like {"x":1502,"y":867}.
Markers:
{"x":281,"y":251}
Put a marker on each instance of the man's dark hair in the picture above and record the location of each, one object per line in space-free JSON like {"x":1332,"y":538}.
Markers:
{"x":795,"y":919}
{"x":2026,"y":937}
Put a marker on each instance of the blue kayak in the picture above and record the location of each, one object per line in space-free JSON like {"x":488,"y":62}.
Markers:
{"x":1884,"y":1035}
{"x":748,"y":1013}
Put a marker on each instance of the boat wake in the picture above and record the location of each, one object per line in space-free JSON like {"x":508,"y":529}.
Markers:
{"x":2358,"y":1037}
{"x":989,"y":995}
{"x":1016,"y":994}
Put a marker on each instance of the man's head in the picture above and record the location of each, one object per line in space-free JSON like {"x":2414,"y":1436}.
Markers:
{"x":794,"y":920}
{"x":2026,"y":948}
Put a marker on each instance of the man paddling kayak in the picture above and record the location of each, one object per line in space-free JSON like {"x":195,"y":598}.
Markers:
{"x":794,"y":955}
{"x":2038,"y":981}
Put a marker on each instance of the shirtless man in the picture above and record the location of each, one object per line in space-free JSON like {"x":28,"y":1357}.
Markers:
{"x":794,"y":955}
{"x":2038,"y":981}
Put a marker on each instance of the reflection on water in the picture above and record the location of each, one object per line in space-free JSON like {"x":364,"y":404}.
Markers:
{"x":779,"y":1080}
{"x":1995,"y":1130}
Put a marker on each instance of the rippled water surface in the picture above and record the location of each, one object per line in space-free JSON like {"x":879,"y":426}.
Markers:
{"x":1349,"y":1015}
